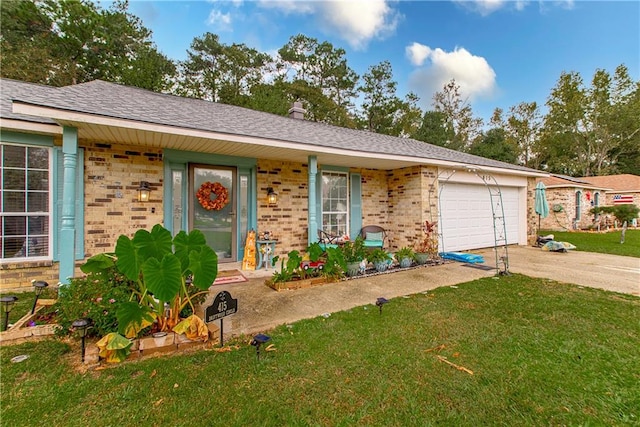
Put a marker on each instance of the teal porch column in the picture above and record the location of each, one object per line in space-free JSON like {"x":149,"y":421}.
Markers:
{"x":67,"y":238}
{"x":313,"y":221}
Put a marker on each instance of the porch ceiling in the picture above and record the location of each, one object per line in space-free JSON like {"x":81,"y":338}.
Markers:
{"x":197,"y":141}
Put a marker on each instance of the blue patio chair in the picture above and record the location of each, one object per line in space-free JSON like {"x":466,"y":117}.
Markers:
{"x":374,"y":236}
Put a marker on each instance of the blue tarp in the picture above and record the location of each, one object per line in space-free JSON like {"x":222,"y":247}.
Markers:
{"x":463,"y":257}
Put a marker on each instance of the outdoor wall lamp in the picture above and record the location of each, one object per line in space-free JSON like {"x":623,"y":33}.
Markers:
{"x":7,"y":305}
{"x":144,"y":191}
{"x":81,"y":325}
{"x":272,"y":196}
{"x":257,"y":341}
{"x":39,"y":286}
{"x":380,"y":302}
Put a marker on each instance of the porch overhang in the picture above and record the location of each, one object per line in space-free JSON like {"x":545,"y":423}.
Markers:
{"x":160,"y":136}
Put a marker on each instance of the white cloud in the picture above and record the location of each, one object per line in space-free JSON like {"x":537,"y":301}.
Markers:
{"x":472,"y":73}
{"x":220,"y":21}
{"x":483,"y":7}
{"x":355,"y":21}
{"x":358,"y":22}
{"x":487,"y":7}
{"x":417,"y":53}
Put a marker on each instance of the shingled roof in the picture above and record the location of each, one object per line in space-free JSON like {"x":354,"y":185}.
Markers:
{"x":104,"y":99}
{"x":559,"y":181}
{"x":621,"y":183}
{"x":11,"y":89}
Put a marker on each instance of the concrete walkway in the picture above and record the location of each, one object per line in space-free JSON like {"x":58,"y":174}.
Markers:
{"x":260,"y":308}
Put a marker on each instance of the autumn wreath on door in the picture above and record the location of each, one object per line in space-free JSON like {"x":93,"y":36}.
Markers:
{"x":212,"y":196}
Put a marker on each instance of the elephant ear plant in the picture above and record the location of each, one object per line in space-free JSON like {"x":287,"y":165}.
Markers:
{"x":164,"y":268}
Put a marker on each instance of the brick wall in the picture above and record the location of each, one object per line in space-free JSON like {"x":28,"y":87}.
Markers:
{"x":375,"y":198}
{"x":287,"y":220}
{"x":112,"y":175}
{"x":564,"y":220}
{"x":396,"y":200}
{"x":413,"y":199}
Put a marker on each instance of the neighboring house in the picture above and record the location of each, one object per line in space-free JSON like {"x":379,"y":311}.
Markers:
{"x":621,"y":189}
{"x":571,"y":199}
{"x":74,"y":158}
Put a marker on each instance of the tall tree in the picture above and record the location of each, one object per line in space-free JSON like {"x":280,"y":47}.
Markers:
{"x":382,"y":110}
{"x":76,"y":41}
{"x":323,"y":67}
{"x":624,"y":125}
{"x":434,"y":129}
{"x":25,"y":42}
{"x":588,"y":129}
{"x":219,"y":72}
{"x":458,"y":114}
{"x":494,"y":145}
{"x":522,"y":126}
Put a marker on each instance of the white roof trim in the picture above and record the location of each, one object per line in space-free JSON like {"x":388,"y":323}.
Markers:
{"x":26,"y":126}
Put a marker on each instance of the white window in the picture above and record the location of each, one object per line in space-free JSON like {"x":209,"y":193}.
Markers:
{"x":25,"y":202}
{"x":335,"y":203}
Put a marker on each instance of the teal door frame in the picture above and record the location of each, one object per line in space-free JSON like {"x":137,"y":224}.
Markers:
{"x":178,"y":161}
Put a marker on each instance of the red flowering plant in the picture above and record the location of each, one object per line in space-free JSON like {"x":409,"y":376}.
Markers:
{"x":428,"y":242}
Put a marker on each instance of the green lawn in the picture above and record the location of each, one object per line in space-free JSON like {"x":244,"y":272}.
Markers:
{"x":606,"y":243}
{"x":541,"y":352}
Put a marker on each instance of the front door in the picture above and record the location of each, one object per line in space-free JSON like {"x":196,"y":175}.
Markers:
{"x":214,"y":214}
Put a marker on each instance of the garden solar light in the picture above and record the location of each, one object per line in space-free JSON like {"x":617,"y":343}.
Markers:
{"x":81,"y":325}
{"x":380,"y":302}
{"x":257,"y":341}
{"x":7,"y":304}
{"x":39,"y":286}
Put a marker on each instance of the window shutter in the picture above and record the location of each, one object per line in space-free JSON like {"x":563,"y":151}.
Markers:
{"x":58,"y":184}
{"x":355,"y":210}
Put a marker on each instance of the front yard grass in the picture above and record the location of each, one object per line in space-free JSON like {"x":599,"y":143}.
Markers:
{"x":541,"y":353}
{"x":606,"y":243}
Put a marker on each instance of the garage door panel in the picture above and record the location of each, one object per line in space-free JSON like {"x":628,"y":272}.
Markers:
{"x":467,"y":216}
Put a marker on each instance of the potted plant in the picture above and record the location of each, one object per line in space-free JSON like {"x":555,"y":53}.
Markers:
{"x":354,"y":253}
{"x":405,"y":256}
{"x":426,"y":247}
{"x":379,"y":258}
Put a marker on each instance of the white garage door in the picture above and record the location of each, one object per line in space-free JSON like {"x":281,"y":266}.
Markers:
{"x":467,"y":218}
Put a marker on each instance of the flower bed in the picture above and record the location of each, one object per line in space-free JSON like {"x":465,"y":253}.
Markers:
{"x":27,"y":328}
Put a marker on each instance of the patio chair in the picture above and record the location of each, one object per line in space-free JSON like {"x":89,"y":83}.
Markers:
{"x":327,"y":240}
{"x":374,"y":236}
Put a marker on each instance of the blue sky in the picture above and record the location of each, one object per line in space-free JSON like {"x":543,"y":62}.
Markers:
{"x":500,"y":52}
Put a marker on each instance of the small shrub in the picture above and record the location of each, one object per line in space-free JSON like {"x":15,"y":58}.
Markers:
{"x":96,"y":296}
{"x":621,"y":212}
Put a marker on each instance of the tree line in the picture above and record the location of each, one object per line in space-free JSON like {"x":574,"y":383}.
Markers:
{"x":589,"y":128}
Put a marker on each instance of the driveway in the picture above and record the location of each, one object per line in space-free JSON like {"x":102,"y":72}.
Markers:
{"x":609,"y":272}
{"x":261,"y":308}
